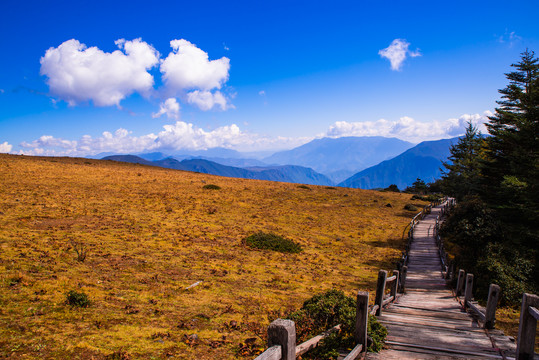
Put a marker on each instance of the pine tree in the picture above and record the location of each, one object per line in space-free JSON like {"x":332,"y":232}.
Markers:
{"x":462,"y":174}
{"x":511,"y":170}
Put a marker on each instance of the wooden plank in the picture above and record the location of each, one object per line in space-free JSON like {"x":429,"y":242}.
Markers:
{"x":534,"y":312}
{"x":476,"y":310}
{"x":273,"y":353}
{"x":447,"y":350}
{"x":313,"y":342}
{"x":354,"y":353}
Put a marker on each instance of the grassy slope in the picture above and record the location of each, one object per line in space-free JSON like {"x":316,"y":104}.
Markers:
{"x":152,"y":232}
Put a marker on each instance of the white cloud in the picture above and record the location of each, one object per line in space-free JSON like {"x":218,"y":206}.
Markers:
{"x":5,"y":147}
{"x":397,"y":52}
{"x":206,"y":100}
{"x":78,"y":74}
{"x":262,"y":93}
{"x":409,"y":129}
{"x":170,"y":107}
{"x":511,"y":38}
{"x":177,"y":136}
{"x":187,"y":69}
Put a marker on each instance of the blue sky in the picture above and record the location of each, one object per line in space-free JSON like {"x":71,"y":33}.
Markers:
{"x":249,"y":75}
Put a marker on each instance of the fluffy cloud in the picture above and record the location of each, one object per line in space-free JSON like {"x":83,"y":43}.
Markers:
{"x":206,"y":100}
{"x":170,"y":107}
{"x":187,"y":69}
{"x":77,"y":74}
{"x":397,"y":52}
{"x":409,"y":129}
{"x":177,"y":136}
{"x":5,"y":147}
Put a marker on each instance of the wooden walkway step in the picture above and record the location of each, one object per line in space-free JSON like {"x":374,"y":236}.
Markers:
{"x":427,"y":322}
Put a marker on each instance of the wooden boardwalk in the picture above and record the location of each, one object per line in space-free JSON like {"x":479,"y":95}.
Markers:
{"x":427,"y":322}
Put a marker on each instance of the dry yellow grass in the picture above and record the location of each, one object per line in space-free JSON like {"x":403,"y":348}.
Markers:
{"x":152,"y":232}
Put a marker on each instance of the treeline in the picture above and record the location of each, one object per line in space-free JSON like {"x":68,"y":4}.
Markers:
{"x":493,"y":231}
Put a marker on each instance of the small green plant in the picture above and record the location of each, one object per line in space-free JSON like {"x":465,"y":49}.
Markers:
{"x":77,"y":299}
{"x":410,"y":207}
{"x":211,"y":187}
{"x":269,"y":241}
{"x":304,"y":187}
{"x":322,"y":312}
{"x":81,"y":251}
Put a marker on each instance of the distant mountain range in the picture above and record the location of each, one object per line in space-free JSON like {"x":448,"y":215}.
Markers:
{"x":356,"y":162}
{"x":287,"y":173}
{"x":340,"y":158}
{"x":422,"y":161}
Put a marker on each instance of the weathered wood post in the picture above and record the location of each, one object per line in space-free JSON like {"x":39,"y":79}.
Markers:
{"x":283,"y":332}
{"x":460,"y":282}
{"x":403,"y":278}
{"x":468,"y":290}
{"x":380,"y":289}
{"x":527,"y":328}
{"x":362,"y":316}
{"x":395,"y":287}
{"x":492,"y":302}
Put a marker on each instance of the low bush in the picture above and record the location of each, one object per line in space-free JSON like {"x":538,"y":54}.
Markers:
{"x":324,"y":311}
{"x":77,"y":299}
{"x":304,"y":187}
{"x":410,"y":207}
{"x":269,"y":241}
{"x":211,"y":187}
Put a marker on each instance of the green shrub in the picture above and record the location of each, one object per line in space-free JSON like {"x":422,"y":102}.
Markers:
{"x":269,"y":241}
{"x":78,"y":299}
{"x":211,"y":187}
{"x":410,"y":207}
{"x":324,"y":311}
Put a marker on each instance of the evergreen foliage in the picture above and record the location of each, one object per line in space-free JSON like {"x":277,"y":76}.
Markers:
{"x":494,"y":230}
{"x":462,"y":173}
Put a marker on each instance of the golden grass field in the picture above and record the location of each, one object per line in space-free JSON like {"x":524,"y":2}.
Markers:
{"x":152,"y":232}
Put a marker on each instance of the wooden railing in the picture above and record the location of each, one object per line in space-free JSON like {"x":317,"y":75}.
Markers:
{"x":282,"y":332}
{"x":529,"y":312}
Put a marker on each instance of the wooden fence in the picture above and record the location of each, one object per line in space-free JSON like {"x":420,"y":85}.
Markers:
{"x":282,"y":332}
{"x":529,"y":313}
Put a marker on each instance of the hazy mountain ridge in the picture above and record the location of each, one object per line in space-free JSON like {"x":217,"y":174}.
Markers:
{"x":287,"y":173}
{"x":423,"y":161}
{"x":341,"y":157}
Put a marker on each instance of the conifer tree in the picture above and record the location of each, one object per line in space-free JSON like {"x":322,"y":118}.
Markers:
{"x":462,"y":174}
{"x":511,"y":170}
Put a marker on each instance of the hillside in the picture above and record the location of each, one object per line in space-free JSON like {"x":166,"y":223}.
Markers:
{"x":341,"y":157}
{"x":288,"y":173}
{"x":150,"y":233}
{"x":423,"y":161}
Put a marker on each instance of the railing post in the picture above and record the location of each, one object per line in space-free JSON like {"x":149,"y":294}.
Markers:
{"x":468,"y":290}
{"x":403,"y":278}
{"x":395,"y":287}
{"x":460,"y":282}
{"x":492,"y":302}
{"x":362,"y":316}
{"x":527,"y":328}
{"x":283,"y":332}
{"x":380,"y":289}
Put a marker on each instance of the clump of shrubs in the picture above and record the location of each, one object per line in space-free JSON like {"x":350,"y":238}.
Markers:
{"x":77,"y":299}
{"x":410,"y":207}
{"x":324,"y":311}
{"x":270,"y":241}
{"x":211,"y":187}
{"x":304,"y":187}
{"x":430,"y":197}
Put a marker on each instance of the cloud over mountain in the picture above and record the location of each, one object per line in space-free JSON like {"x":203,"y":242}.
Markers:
{"x":409,"y":129}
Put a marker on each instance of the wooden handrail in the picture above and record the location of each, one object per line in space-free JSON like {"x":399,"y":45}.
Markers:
{"x":273,"y":353}
{"x":313,"y":342}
